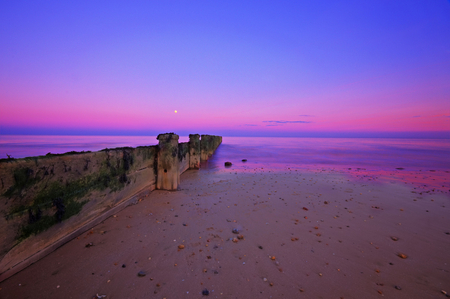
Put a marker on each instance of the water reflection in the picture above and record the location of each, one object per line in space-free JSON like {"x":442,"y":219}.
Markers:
{"x":373,"y":159}
{"x":424,"y":164}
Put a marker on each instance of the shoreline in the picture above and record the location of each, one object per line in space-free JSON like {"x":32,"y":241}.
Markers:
{"x":341,"y":248}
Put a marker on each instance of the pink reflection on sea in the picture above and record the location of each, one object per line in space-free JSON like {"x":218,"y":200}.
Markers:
{"x":421,"y":181}
{"x":423,"y":165}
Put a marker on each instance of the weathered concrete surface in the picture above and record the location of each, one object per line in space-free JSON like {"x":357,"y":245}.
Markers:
{"x":47,"y":200}
{"x":168,"y":175}
{"x":194,"y":151}
{"x":183,"y":157}
{"x":208,"y":144}
{"x":77,"y":187}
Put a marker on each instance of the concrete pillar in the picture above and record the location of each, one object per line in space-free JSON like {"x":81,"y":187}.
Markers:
{"x":194,"y":151}
{"x":168,"y":174}
{"x":204,"y":148}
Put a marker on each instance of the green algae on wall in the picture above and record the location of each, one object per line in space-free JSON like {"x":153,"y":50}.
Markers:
{"x":183,"y":150}
{"x":71,"y":208}
{"x":23,"y":178}
{"x":111,"y":172}
{"x":44,"y":200}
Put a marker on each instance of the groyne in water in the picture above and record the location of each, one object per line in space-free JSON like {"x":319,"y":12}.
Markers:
{"x":45,"y":201}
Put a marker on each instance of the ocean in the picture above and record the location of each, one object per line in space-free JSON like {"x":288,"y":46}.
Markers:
{"x":374,"y":158}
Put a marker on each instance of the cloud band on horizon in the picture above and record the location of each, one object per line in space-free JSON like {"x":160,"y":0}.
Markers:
{"x":287,"y":121}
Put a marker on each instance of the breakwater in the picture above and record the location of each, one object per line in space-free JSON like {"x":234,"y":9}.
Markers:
{"x":46,"y":201}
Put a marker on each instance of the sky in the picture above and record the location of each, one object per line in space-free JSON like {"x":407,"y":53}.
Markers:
{"x":231,"y":68}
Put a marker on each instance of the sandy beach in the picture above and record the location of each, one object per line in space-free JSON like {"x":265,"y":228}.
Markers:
{"x":297,"y":234}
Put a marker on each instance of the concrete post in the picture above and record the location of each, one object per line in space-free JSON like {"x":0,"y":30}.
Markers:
{"x":168,"y":174}
{"x":194,"y":151}
{"x":204,"y":147}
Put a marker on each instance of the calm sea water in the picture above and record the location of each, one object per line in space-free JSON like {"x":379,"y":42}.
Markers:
{"x":278,"y":152}
{"x":420,"y":163}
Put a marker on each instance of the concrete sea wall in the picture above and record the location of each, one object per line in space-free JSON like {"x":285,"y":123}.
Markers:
{"x":46,"y":201}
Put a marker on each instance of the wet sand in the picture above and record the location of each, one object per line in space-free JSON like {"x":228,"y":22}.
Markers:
{"x":305,"y":234}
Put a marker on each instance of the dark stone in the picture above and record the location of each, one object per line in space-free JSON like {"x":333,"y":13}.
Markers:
{"x":397,"y":288}
{"x":235,"y":231}
{"x":141,"y":274}
{"x":205,"y":292}
{"x":244,"y":160}
{"x":123,"y":266}
{"x":228,"y":164}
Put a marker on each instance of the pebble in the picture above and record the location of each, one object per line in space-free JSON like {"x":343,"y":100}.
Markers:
{"x":402,"y":255}
{"x":235,"y":231}
{"x":141,"y":274}
{"x":397,"y":288}
{"x":205,"y":292}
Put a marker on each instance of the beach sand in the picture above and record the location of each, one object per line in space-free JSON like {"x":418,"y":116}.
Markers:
{"x":306,"y":234}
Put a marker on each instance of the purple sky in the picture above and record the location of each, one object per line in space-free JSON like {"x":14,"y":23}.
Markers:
{"x":233,"y":68}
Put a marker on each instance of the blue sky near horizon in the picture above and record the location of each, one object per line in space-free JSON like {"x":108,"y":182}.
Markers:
{"x":257,"y":68}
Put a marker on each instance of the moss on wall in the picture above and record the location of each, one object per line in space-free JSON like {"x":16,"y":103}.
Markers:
{"x":23,"y":178}
{"x":109,"y":170}
{"x":183,"y":150}
{"x":41,"y":224}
